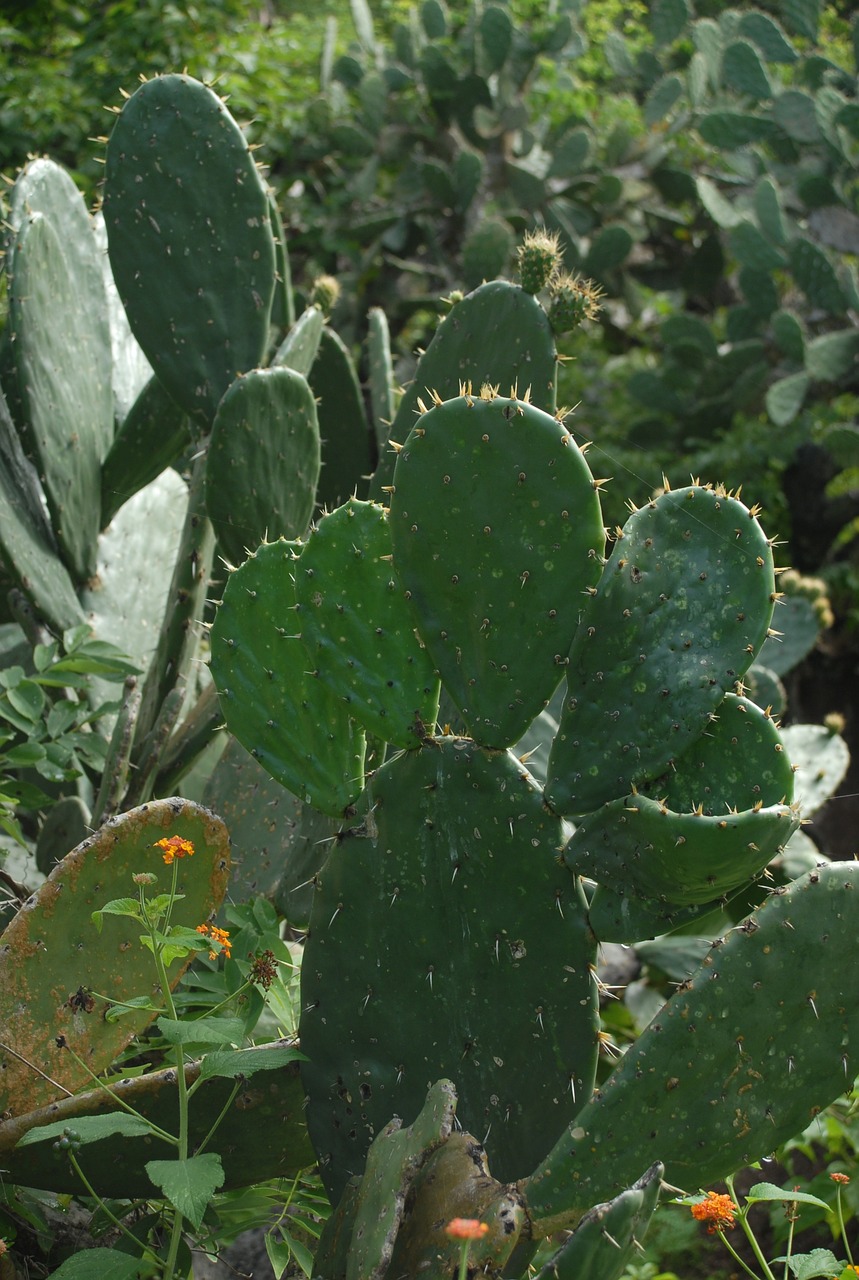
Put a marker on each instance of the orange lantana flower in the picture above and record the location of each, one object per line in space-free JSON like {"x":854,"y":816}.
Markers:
{"x":466,"y":1228}
{"x":716,"y":1210}
{"x":175,"y":847}
{"x":221,"y":936}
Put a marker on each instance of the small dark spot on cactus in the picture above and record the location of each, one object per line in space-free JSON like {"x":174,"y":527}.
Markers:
{"x":635,"y":574}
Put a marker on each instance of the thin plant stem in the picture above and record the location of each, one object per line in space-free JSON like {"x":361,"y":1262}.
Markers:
{"x":842,"y":1228}
{"x":146,"y":1252}
{"x":789,"y":1250}
{"x":181,"y":1084}
{"x":749,"y":1234}
{"x":223,"y":1112}
{"x":155,"y":1129}
{"x":463,"y":1260}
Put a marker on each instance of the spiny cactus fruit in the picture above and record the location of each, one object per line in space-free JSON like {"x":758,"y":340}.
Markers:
{"x":572,"y":301}
{"x":538,"y":259}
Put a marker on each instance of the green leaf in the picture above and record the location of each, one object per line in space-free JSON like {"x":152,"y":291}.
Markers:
{"x":118,"y":907}
{"x":27,"y":699}
{"x":135,"y":1004}
{"x":246,"y":1062}
{"x":188,"y":1184}
{"x":819,"y":1262}
{"x":90,"y":1128}
{"x":768,"y":1191}
{"x":99,"y":1264}
{"x":202,"y":1030}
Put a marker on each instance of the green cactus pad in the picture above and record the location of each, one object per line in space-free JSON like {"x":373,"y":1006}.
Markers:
{"x":451,"y":889}
{"x":497,"y":534}
{"x":66,"y":399}
{"x":271,"y":699}
{"x":393,"y":1162}
{"x":498,"y":334}
{"x":299,"y":347}
{"x":738,"y":761}
{"x":263,"y":462}
{"x":261,"y":1135}
{"x":278,"y":844}
{"x":609,"y":1235}
{"x":47,"y":189}
{"x":356,"y":622}
{"x":822,"y":759}
{"x":380,"y":374}
{"x":52,"y":949}
{"x":190,"y":239}
{"x":743,"y":1056}
{"x":347,"y":442}
{"x":683,"y":606}
{"x":26,"y":540}
{"x":683,"y":858}
{"x":154,"y":435}
{"x":623,"y":915}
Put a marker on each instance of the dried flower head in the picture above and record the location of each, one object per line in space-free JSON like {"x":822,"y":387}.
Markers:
{"x":220,"y":936}
{"x":466,"y":1229}
{"x":144,"y":877}
{"x":717,"y":1210}
{"x":264,"y":969}
{"x":175,"y":847}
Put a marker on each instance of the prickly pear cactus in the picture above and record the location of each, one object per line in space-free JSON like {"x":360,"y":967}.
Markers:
{"x":454,"y":874}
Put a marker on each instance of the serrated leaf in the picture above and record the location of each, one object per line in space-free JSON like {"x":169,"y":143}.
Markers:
{"x":819,"y":1262}
{"x":90,"y":1128}
{"x":99,"y":1264}
{"x":221,"y":1031}
{"x":246,"y":1062}
{"x":188,"y":1184}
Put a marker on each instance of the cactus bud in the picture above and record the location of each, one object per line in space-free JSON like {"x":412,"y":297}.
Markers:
{"x":324,"y":293}
{"x":539,"y":260}
{"x":573,"y":300}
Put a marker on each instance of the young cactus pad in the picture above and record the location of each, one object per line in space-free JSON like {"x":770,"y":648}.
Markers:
{"x":451,"y":890}
{"x":52,"y":955}
{"x":190,"y":239}
{"x":683,"y":606}
{"x":357,"y":624}
{"x":271,"y":697}
{"x":497,"y":535}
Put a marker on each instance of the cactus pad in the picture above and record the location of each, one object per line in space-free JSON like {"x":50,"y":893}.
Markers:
{"x":52,"y":950}
{"x":450,"y":889}
{"x":683,"y":606}
{"x":744,"y":1055}
{"x":355,"y":621}
{"x":270,"y":696}
{"x":190,"y":239}
{"x":497,"y":534}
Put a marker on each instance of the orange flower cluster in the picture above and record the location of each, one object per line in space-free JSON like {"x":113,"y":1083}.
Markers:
{"x":716,"y":1210}
{"x":221,"y":936}
{"x":175,"y":847}
{"x":466,"y":1229}
{"x":839,"y":1177}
